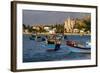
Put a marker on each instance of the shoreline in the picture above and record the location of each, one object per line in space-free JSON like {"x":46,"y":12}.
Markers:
{"x":64,"y":34}
{"x":75,"y":34}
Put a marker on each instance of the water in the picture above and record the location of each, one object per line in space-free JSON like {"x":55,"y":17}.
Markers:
{"x":34,"y":51}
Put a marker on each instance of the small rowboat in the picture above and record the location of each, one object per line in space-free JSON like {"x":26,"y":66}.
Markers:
{"x":76,"y":44}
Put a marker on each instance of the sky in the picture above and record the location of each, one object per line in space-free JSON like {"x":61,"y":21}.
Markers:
{"x":33,"y":17}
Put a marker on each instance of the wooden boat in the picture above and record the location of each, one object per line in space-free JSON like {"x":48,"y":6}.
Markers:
{"x":37,"y":38}
{"x":52,"y":38}
{"x":32,"y":37}
{"x":75,"y":44}
{"x":51,"y":41}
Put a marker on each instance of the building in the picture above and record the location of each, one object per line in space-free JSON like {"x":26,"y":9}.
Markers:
{"x":69,"y":25}
{"x":26,"y":31}
{"x":76,"y":30}
{"x":51,"y":32}
{"x":47,"y":28}
{"x":36,"y":27}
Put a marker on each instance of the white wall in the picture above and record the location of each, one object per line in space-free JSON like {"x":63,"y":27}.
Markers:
{"x":5,"y":37}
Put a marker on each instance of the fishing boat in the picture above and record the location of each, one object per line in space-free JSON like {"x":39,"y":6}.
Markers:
{"x":33,"y":37}
{"x":77,"y":47}
{"x":76,"y":44}
{"x":51,"y":41}
{"x":38,"y":38}
{"x":55,"y":43}
{"x":52,"y":38}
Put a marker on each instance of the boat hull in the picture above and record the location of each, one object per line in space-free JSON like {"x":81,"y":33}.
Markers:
{"x":74,"y":48}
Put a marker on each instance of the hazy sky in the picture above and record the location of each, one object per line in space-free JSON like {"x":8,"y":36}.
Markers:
{"x":31,"y":17}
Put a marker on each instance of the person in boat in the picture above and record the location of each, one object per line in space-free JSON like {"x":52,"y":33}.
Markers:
{"x":57,"y":45}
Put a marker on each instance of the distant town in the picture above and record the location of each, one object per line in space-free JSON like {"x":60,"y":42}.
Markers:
{"x":69,"y":26}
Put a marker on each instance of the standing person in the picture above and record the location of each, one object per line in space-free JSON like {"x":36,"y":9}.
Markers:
{"x":57,"y":45}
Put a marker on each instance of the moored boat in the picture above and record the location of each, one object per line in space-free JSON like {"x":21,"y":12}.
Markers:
{"x":38,"y":38}
{"x":51,"y":41}
{"x":33,"y":37}
{"x":52,"y":38}
{"x":76,"y":44}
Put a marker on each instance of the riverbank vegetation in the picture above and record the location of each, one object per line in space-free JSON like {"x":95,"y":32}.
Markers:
{"x":80,"y":24}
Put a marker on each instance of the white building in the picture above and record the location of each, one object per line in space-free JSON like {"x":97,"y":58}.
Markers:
{"x":26,"y":31}
{"x":76,"y":30}
{"x":51,"y":32}
{"x":47,"y":28}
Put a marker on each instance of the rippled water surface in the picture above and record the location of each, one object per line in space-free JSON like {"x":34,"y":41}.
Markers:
{"x":34,"y":51}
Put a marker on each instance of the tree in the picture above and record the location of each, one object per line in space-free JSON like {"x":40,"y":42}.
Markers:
{"x":24,"y":26}
{"x":83,"y":24}
{"x":59,"y":28}
{"x":88,"y":25}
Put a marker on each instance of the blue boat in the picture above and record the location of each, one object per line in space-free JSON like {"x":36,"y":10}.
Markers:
{"x":37,"y":38}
